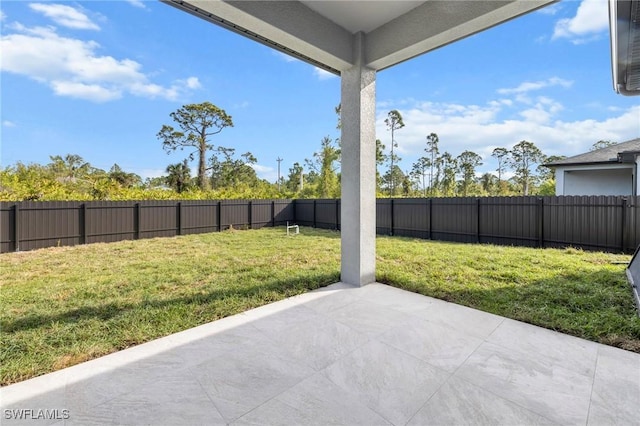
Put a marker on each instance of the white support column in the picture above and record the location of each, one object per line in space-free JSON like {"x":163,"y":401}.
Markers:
{"x":358,"y":144}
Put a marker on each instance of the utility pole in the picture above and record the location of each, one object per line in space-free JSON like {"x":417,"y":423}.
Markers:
{"x":301,"y":179}
{"x":279,"y":160}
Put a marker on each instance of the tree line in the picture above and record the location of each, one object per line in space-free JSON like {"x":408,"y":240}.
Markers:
{"x":223,"y":173}
{"x":520,"y":170}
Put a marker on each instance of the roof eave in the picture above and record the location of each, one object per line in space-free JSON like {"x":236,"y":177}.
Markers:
{"x":591,"y":163}
{"x":625,"y":53}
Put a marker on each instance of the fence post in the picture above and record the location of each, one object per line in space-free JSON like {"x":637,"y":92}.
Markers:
{"x":220,"y":216}
{"x":273,"y":214}
{"x":250,"y":218}
{"x":392,"y":219}
{"x":314,"y":213}
{"x":295,"y":214}
{"x":179,"y":218}
{"x":136,"y":221}
{"x":478,"y":220}
{"x":623,"y":219}
{"x":337,"y":214}
{"x":540,"y":222}
{"x":16,"y":228}
{"x":83,"y":223}
{"x":431,"y":218}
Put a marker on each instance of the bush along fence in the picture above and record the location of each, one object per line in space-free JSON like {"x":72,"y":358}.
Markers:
{"x":604,"y":223}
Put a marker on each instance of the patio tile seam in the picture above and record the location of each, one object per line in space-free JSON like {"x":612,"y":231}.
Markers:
{"x":415,"y":314}
{"x":329,"y":311}
{"x":337,"y":308}
{"x":502,"y":321}
{"x":284,"y":357}
{"x":150,"y":384}
{"x":368,"y":338}
{"x":226,"y":420}
{"x":429,"y":399}
{"x":484,"y":341}
{"x":593,"y":383}
{"x":358,"y":397}
{"x":508,"y":396}
{"x":204,"y":390}
{"x":523,"y":353}
{"x":591,"y":395}
{"x":540,"y":355}
{"x":425,"y":359}
{"x":369,"y":335}
{"x":300,"y":302}
{"x":383,"y":306}
{"x":316,"y":373}
{"x":230,"y":422}
{"x":504,"y":398}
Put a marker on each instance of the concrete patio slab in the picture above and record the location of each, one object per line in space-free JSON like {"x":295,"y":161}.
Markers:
{"x":372,"y":355}
{"x":459,"y":402}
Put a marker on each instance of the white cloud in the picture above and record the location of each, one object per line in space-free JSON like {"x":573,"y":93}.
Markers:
{"x":542,"y":112}
{"x":137,"y":3}
{"x":285,"y":57}
{"x":66,"y":16}
{"x":7,"y":123}
{"x":266,"y":172}
{"x":241,"y":105}
{"x":191,"y":83}
{"x":322,"y":74}
{"x":591,"y":19}
{"x":551,"y":9}
{"x":148,"y":173}
{"x":529,"y":86}
{"x":72,"y":67}
{"x":317,"y":72}
{"x":3,"y":16}
{"x":481,"y":128}
{"x":91,"y":92}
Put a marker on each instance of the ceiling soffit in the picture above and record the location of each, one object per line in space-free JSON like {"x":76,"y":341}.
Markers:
{"x":624,"y":17}
{"x":361,"y":15}
{"x":322,"y":32}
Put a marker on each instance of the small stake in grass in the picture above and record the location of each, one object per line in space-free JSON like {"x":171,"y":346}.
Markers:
{"x":295,"y":227}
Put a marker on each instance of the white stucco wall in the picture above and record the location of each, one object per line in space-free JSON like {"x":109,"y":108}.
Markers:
{"x":617,"y":179}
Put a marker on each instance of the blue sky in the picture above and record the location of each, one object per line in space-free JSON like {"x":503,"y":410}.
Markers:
{"x":99,"y":79}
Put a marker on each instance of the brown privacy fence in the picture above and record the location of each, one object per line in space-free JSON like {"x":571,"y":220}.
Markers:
{"x":30,"y":225}
{"x":593,"y":223}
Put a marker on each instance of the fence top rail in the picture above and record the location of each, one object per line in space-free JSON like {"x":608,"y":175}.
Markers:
{"x":546,"y":198}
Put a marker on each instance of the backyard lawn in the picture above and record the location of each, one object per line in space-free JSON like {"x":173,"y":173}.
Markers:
{"x":62,"y":306}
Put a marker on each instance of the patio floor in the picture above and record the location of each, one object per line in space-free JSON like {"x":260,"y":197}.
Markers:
{"x":374,"y":355}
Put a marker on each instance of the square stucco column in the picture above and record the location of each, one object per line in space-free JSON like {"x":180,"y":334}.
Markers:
{"x":358,"y":169}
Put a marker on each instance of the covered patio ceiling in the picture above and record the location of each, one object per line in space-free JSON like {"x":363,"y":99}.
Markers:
{"x":356,"y":39}
{"x":322,"y":32}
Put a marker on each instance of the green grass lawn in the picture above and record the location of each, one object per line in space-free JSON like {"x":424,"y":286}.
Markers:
{"x":62,"y":306}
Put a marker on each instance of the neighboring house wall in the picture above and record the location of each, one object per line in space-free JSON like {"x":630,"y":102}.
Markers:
{"x":610,"y":179}
{"x":636,"y":188}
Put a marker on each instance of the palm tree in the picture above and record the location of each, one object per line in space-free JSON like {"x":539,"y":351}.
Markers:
{"x":394,"y":122}
{"x":179,"y":176}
